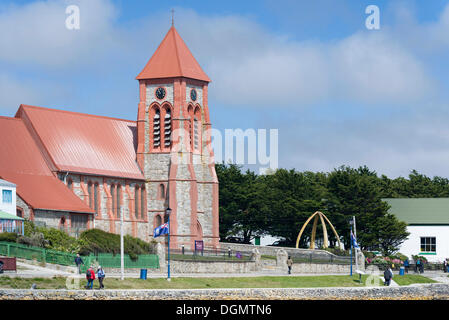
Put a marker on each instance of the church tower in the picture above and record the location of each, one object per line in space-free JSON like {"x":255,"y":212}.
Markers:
{"x":174,"y":145}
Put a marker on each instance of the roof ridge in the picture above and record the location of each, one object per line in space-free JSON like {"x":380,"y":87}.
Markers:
{"x":26,"y":106}
{"x":10,"y":118}
{"x":176,"y":49}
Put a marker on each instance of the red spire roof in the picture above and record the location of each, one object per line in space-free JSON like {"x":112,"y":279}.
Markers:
{"x":173,"y":59}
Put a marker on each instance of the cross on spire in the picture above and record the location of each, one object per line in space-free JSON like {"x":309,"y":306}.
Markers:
{"x":172,"y":17}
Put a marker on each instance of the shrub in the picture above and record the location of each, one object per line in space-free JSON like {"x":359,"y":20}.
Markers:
{"x":337,"y":251}
{"x":99,"y":241}
{"x":36,"y":239}
{"x":8,"y":236}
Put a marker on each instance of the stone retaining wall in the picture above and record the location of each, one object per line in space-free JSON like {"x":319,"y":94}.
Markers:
{"x":428,"y":291}
{"x":271,"y":250}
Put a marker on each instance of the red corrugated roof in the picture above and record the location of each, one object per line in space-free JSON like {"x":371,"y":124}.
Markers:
{"x":22,"y":163}
{"x":173,"y":59}
{"x":83,"y":143}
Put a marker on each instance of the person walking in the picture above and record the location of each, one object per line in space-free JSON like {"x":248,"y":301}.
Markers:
{"x":100,"y":275}
{"x":90,"y":276}
{"x":421,"y":267}
{"x":388,"y":274}
{"x":444,"y":266}
{"x":406,"y":265}
{"x":418,"y":265}
{"x":289,"y":264}
{"x":78,"y":262}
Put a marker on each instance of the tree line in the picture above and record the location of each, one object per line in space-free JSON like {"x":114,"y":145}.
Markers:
{"x":278,"y":204}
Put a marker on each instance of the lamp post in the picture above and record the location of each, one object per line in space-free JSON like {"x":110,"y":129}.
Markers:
{"x":351,"y":222}
{"x":168,"y":212}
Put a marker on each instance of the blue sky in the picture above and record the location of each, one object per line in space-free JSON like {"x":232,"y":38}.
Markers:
{"x":339,"y":94}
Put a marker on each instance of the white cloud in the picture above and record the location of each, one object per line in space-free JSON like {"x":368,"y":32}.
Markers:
{"x":36,"y":33}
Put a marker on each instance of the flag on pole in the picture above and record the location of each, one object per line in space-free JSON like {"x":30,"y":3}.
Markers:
{"x":161,"y":230}
{"x":354,"y":241}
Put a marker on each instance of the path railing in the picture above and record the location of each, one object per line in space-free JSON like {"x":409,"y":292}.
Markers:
{"x":106,"y":260}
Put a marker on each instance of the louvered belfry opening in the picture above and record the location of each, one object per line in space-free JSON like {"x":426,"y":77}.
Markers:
{"x":167,"y":128}
{"x":157,"y":129}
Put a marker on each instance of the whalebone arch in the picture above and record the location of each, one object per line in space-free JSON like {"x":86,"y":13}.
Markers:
{"x":318,"y":215}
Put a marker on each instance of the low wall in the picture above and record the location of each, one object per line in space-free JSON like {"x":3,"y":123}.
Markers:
{"x":271,"y":250}
{"x":179,"y":267}
{"x":321,"y":268}
{"x":428,"y":291}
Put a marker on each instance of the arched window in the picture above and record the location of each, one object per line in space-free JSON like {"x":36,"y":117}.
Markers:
{"x":197,"y":129}
{"x":62,"y":223}
{"x":158,"y":220}
{"x":161,"y":191}
{"x":167,"y":128}
{"x":136,"y":202}
{"x":190,"y":114}
{"x":113,"y":198}
{"x":89,"y":191}
{"x":143,"y":207}
{"x":157,"y":128}
{"x":119,"y":196}
{"x":96,"y":198}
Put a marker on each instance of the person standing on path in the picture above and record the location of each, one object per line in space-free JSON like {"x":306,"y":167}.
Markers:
{"x":289,"y":264}
{"x":100,"y":275}
{"x":406,"y":265}
{"x":79,"y":262}
{"x":388,"y":274}
{"x":90,"y":276}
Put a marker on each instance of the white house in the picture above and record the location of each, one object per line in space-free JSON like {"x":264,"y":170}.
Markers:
{"x":8,"y":197}
{"x":428,"y":224}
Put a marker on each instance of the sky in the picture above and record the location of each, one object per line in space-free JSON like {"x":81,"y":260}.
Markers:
{"x":337,"y":92}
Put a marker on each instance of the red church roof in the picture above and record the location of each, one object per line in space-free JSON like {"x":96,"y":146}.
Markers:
{"x":173,"y":59}
{"x":22,"y":163}
{"x":83,"y":143}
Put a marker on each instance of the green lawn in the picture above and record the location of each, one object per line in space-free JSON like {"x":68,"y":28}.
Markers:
{"x":411,"y":278}
{"x":205,"y":283}
{"x":195,"y":283}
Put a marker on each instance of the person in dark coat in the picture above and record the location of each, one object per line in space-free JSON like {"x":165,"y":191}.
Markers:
{"x":388,"y":274}
{"x":79,"y":262}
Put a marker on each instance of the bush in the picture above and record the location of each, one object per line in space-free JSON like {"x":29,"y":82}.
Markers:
{"x":337,"y":251}
{"x":36,"y":240}
{"x":59,"y":240}
{"x":98,"y":241}
{"x":8,"y":236}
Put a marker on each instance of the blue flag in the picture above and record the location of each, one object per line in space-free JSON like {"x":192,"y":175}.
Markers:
{"x":354,"y":241}
{"x":161,"y":230}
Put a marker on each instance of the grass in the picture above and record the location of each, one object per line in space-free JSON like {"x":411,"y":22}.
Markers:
{"x":207,"y":283}
{"x":194,"y":283}
{"x":411,"y":278}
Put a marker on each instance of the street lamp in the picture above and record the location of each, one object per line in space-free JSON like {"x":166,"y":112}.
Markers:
{"x":351,"y":222}
{"x":168,"y":212}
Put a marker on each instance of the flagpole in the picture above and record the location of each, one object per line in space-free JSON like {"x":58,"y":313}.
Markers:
{"x":168,"y":211}
{"x":351,"y":222}
{"x":355,"y":249}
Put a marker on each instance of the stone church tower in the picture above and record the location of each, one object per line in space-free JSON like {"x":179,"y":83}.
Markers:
{"x":174,"y":144}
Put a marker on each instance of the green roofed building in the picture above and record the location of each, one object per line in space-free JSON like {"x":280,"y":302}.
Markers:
{"x":428,"y":224}
{"x":11,"y":223}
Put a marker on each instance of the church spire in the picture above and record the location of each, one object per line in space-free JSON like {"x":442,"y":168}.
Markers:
{"x":173,"y":59}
